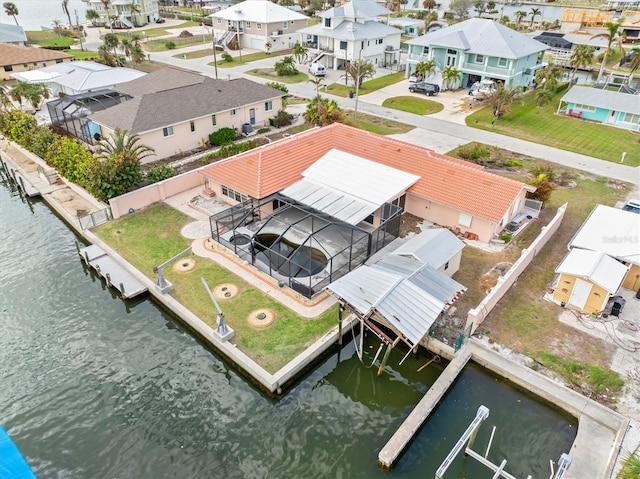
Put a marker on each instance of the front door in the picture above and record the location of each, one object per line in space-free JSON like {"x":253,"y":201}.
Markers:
{"x":252,"y":116}
{"x":580,"y":293}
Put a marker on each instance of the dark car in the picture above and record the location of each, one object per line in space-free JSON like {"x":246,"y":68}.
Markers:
{"x":426,"y":88}
{"x":160,"y":20}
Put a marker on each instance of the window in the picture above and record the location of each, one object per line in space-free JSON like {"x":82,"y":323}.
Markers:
{"x":285,"y":25}
{"x":167,"y":131}
{"x":247,"y":24}
{"x":192,"y":126}
{"x":425,"y":50}
{"x":213,"y":120}
{"x":231,"y":193}
{"x":362,"y":45}
{"x":8,"y":68}
{"x":228,"y":23}
{"x":343,"y":45}
{"x":479,"y":59}
{"x":446,"y":266}
{"x":379,"y":41}
{"x":232,"y":112}
{"x":219,"y":20}
{"x":259,"y":26}
{"x":631,"y":118}
{"x":578,"y":106}
{"x":268,"y":106}
{"x":25,"y":65}
{"x":502,"y":62}
{"x":464,"y":219}
{"x":327,"y":22}
{"x":59,"y":60}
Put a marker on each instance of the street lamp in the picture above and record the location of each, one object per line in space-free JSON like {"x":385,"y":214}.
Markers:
{"x":215,"y":58}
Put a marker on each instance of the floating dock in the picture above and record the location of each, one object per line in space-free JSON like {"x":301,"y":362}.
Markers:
{"x":115,"y":275}
{"x":12,"y":464}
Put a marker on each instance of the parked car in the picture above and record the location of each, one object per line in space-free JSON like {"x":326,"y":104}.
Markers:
{"x":317,"y":70}
{"x":632,"y":205}
{"x":160,"y":20}
{"x":413,"y":78}
{"x":426,"y":88}
{"x":482,"y":88}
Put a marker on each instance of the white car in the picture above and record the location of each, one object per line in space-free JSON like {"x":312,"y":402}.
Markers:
{"x":482,"y":88}
{"x":414,"y":78}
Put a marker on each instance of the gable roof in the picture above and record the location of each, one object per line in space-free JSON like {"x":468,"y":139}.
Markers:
{"x":597,"y":267}
{"x":483,"y":37}
{"x":456,"y":183}
{"x":434,"y":246}
{"x":159,"y":80}
{"x":17,"y":54}
{"x":611,"y":231}
{"x":12,"y":33}
{"x":260,"y":11}
{"x":600,"y":98}
{"x":158,"y":109}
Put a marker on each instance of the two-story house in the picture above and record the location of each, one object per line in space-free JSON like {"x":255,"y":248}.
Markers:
{"x":481,"y":49}
{"x":126,"y":13}
{"x":257,"y":23}
{"x":350,"y":32}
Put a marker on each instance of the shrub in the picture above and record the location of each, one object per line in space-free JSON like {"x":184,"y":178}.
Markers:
{"x":286,"y":67}
{"x":235,"y":149}
{"x":284,"y":119}
{"x":263,"y":130}
{"x":474,"y":152}
{"x":159,"y":172}
{"x":630,"y":467}
{"x":222,"y":136}
{"x":17,"y":125}
{"x":546,"y":170}
{"x":40,"y":139}
{"x":512,"y":164}
{"x":170,"y":45}
{"x":114,"y":176}
{"x":70,"y":159}
{"x":227,"y":57}
{"x":278,"y":86}
{"x":506,"y":237}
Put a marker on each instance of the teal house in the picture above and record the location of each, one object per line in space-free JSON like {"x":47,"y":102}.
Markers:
{"x":618,"y":109}
{"x":481,"y":49}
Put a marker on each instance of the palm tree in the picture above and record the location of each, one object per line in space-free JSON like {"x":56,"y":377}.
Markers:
{"x":480,"y":7}
{"x":300,"y":53}
{"x":19,"y":91}
{"x":36,"y":94}
{"x":613,"y":36}
{"x":502,"y":100}
{"x":317,"y":81}
{"x":111,"y":42}
{"x":358,"y":71}
{"x":543,"y":96}
{"x":11,"y":10}
{"x":582,"y":56}
{"x":520,"y":14}
{"x":5,"y":97}
{"x":429,"y":4}
{"x":548,"y":76}
{"x":534,"y":13}
{"x":634,"y":63}
{"x":65,"y":9}
{"x":125,"y":46}
{"x":58,"y":29}
{"x":425,"y":69}
{"x":121,"y":145}
{"x":137,"y":54}
{"x":451,"y":75}
{"x":92,"y":16}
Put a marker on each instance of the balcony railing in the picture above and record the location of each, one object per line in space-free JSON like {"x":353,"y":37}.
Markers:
{"x":476,"y":67}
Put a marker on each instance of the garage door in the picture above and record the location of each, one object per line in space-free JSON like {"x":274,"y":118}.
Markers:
{"x":580,"y":293}
{"x":257,"y":43}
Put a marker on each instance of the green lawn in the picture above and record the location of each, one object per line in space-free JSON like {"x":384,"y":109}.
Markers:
{"x":160,"y":45}
{"x":542,"y":125}
{"x":412,"y":104}
{"x":154,"y":32}
{"x":251,"y":57}
{"x":270,"y":74}
{"x":152,"y":235}
{"x":82,"y":55}
{"x":205,"y":52}
{"x":367,"y":87}
{"x":48,"y":39}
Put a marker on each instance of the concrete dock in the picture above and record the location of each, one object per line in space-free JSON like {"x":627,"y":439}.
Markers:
{"x":116,"y":276}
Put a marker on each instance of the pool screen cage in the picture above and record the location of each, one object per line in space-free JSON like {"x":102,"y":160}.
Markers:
{"x":70,"y":113}
{"x":300,"y":247}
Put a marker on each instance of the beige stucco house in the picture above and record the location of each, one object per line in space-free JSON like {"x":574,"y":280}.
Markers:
{"x":16,"y":58}
{"x":174,"y":111}
{"x":447,"y":191}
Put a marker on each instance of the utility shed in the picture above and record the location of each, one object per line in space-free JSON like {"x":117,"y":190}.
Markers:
{"x":437,"y":247}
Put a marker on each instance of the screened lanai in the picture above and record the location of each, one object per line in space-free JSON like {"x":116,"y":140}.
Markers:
{"x":71,"y":112}
{"x":301,"y":247}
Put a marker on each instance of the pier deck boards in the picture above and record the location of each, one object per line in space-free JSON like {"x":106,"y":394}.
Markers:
{"x":119,"y":278}
{"x":392,"y":449}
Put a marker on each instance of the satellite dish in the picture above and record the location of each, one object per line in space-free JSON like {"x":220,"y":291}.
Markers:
{"x":97,"y":137}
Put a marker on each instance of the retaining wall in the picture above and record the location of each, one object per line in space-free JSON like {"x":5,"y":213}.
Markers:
{"x":477,"y":315}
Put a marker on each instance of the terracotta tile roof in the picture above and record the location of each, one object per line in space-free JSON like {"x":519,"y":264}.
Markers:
{"x":443,"y":179}
{"x":16,"y":54}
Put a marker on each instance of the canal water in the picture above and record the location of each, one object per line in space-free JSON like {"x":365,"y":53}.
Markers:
{"x":92,"y":387}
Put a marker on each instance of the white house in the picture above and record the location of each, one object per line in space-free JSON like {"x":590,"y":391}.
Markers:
{"x":253,"y":23}
{"x":126,"y":13}
{"x":351,"y":32}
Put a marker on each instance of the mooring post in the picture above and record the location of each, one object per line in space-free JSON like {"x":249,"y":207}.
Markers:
{"x":122,"y":290}
{"x":360,"y":355}
{"x":340,"y":311}
{"x":77,"y":247}
{"x":108,"y":276}
{"x":384,"y":359}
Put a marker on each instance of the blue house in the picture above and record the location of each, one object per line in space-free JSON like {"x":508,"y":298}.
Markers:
{"x":482,"y":49}
{"x":612,"y":108}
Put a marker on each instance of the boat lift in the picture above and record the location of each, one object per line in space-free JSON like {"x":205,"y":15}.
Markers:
{"x":467,"y":439}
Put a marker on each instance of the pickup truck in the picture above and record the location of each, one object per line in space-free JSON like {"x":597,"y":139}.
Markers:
{"x":426,"y":88}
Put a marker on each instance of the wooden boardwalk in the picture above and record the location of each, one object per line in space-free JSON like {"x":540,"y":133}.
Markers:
{"x":115,"y":275}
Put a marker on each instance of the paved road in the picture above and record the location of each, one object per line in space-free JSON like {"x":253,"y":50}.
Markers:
{"x":441,"y":133}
